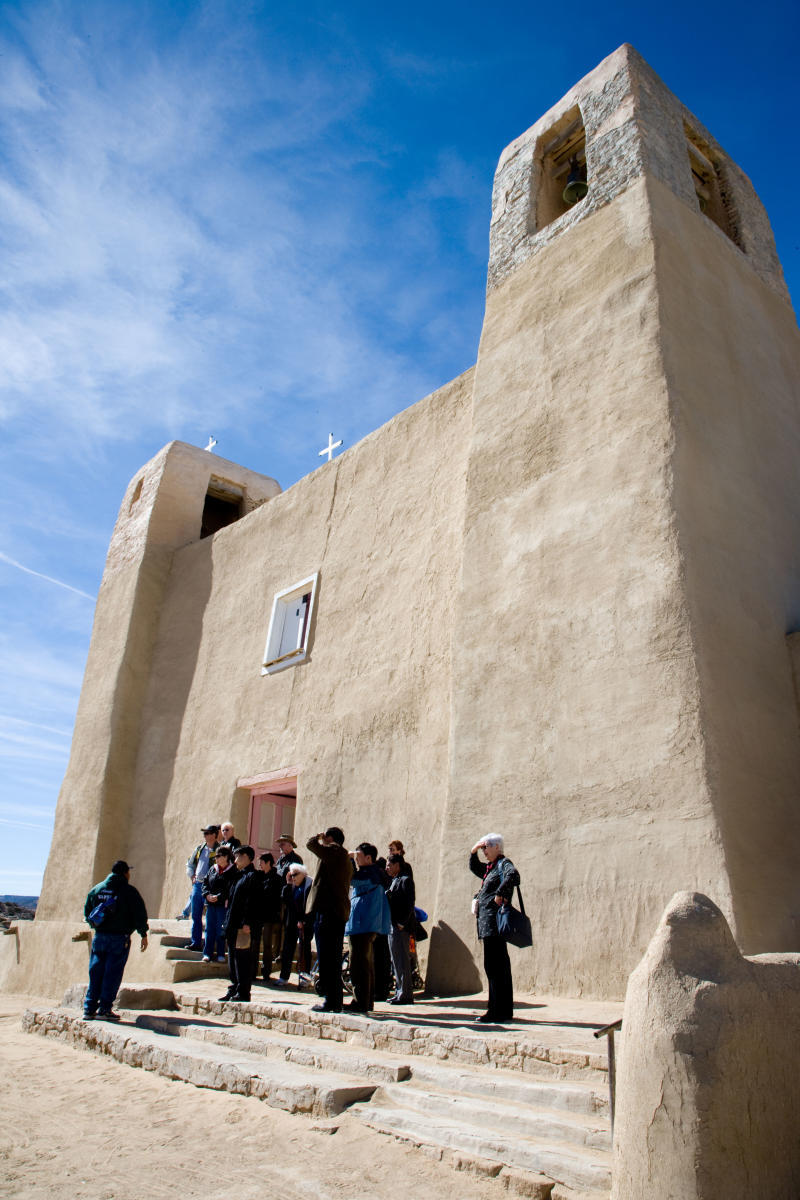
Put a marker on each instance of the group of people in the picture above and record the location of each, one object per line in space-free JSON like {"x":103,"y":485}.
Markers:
{"x":269,"y":911}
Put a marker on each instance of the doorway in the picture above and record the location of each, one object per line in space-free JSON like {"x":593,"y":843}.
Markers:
{"x":273,"y":801}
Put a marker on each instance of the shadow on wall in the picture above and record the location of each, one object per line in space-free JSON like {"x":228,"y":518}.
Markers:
{"x":451,"y":965}
{"x":174,"y":665}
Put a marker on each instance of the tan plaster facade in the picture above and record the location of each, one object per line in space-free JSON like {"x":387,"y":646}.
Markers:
{"x":553,"y":597}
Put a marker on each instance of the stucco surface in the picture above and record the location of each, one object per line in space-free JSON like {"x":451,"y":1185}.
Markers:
{"x":707,"y":1086}
{"x":731,"y":352}
{"x":161,"y":510}
{"x":576,"y":722}
{"x":366,"y":718}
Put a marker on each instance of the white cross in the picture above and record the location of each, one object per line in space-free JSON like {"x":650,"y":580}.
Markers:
{"x":331,"y":446}
{"x":212,"y":441}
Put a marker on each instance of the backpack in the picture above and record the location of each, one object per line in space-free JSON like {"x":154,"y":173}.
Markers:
{"x":104,"y":908}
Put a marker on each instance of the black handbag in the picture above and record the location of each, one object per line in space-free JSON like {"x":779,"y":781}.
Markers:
{"x":513,"y":925}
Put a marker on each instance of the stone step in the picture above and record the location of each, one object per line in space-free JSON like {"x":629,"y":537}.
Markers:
{"x":505,"y":1116}
{"x":173,"y":939}
{"x":572,"y":1096}
{"x":516,"y":1051}
{"x":327,"y":1056}
{"x":177,"y":948}
{"x":574,"y":1167}
{"x":185,"y":970}
{"x":287,"y":1086}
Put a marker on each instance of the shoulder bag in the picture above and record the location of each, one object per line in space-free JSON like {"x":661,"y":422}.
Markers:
{"x":513,"y":925}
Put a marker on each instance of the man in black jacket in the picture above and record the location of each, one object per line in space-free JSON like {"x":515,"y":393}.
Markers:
{"x":114,"y":909}
{"x":401,"y":897}
{"x":243,"y":924}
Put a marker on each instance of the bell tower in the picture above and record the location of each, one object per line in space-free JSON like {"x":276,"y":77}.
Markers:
{"x":622,"y":693}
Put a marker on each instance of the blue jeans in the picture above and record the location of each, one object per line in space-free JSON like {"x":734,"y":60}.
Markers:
{"x":106,"y":964}
{"x":214,"y":945}
{"x":198,"y":904}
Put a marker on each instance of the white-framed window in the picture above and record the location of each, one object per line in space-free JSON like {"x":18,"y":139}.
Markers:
{"x":287,"y":640}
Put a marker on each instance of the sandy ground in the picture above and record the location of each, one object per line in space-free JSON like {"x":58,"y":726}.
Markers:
{"x":78,"y":1126}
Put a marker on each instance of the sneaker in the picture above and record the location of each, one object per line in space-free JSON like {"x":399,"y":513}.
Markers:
{"x":323,"y":1008}
{"x":87,"y":1016}
{"x":229,"y":995}
{"x":221,"y":958}
{"x":281,"y":982}
{"x":205,"y":958}
{"x":108,"y":1015}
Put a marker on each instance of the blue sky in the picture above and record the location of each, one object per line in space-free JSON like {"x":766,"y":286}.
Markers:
{"x":266,"y":222}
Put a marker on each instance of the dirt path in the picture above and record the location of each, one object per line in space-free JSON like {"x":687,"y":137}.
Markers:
{"x":76,"y":1126}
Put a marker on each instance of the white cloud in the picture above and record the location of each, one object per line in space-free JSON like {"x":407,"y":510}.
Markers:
{"x":47,"y":578}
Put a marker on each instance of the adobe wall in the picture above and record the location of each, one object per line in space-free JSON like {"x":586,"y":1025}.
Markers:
{"x":366,"y":718}
{"x":576,"y":722}
{"x":732,"y":358}
{"x":707,"y":1084}
{"x":161,"y":509}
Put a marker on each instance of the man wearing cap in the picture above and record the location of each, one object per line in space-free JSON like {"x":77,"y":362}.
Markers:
{"x":287,"y":846}
{"x":243,"y":924}
{"x":200,"y":862}
{"x":114,"y":909}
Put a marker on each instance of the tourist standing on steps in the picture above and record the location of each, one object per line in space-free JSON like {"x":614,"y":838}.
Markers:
{"x":369,"y":918}
{"x":329,"y":901}
{"x":500,"y":877}
{"x":401,"y":897}
{"x":216,"y":890}
{"x":271,"y":888}
{"x":243,"y":924}
{"x":201,"y":860}
{"x":114,"y":909}
{"x":298,"y":926}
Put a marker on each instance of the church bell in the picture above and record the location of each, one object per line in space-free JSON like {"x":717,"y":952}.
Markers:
{"x":577,"y":187}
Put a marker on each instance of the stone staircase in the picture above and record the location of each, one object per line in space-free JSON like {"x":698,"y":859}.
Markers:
{"x":533,"y":1116}
{"x":185,"y":965}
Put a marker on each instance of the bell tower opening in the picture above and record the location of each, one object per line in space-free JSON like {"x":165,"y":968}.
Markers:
{"x":713,"y":195}
{"x":561,"y":158}
{"x":224,"y":504}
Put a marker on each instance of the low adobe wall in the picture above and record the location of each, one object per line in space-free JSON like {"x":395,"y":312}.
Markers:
{"x":708,"y":1089}
{"x":40,"y":958}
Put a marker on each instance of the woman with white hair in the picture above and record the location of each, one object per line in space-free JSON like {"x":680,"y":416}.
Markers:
{"x":500,"y":877}
{"x":298,"y":923}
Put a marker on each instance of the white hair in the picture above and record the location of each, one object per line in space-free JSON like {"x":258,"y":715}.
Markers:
{"x":494,"y":839}
{"x":297,"y":869}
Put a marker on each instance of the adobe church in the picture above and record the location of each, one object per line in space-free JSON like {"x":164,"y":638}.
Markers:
{"x":556,"y":598}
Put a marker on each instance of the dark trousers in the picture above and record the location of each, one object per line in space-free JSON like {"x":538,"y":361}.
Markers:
{"x":329,"y":936}
{"x":106,"y":964}
{"x":362,"y":970}
{"x":383,"y":967}
{"x":240,"y":964}
{"x":271,"y":939}
{"x":290,"y":940}
{"x":401,"y":964}
{"x":497,"y":966}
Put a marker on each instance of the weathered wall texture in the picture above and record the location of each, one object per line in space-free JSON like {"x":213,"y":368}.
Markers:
{"x":732,"y":359}
{"x":576,"y":721}
{"x":162,"y":509}
{"x":366,"y":718}
{"x":708,"y":1089}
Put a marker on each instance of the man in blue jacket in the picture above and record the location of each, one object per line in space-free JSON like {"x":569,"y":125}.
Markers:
{"x":369,"y":915}
{"x":114,"y":909}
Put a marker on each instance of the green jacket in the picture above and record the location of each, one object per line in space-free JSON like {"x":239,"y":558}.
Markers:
{"x":129,"y":912}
